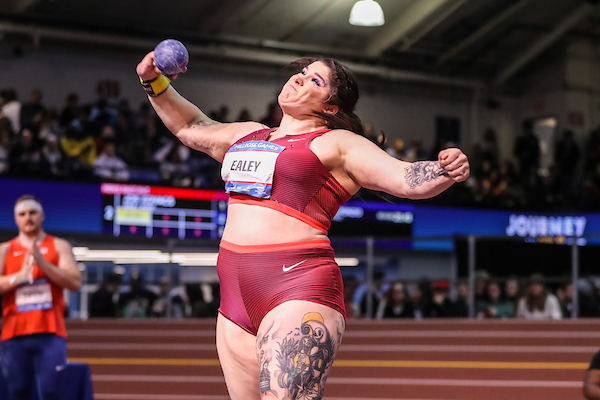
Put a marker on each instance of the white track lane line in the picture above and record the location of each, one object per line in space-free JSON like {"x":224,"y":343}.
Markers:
{"x":354,"y":381}
{"x":363,"y":348}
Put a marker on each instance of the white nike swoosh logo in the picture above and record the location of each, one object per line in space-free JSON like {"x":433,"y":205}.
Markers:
{"x":295,"y":140}
{"x":286,"y":269}
{"x":18,"y":253}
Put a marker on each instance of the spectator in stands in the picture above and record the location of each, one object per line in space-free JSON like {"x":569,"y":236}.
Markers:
{"x":78,"y":144}
{"x":441,"y":306}
{"x":203,"y":298}
{"x":422,"y":297}
{"x":495,"y":306}
{"x":53,"y":156}
{"x":10,"y":107}
{"x":175,"y":170}
{"x":32,"y":109}
{"x":489,"y":147}
{"x":175,"y":296}
{"x":538,"y":303}
{"x":47,"y":124}
{"x":512,"y":291}
{"x":25,"y":156}
{"x":125,"y":132}
{"x":138,"y":302}
{"x":414,"y":151}
{"x":482,"y":278}
{"x":396,"y":303}
{"x":507,"y":188}
{"x":566,"y":162}
{"x":101,"y":115}
{"x":108,"y":166}
{"x":104,"y":301}
{"x":527,"y":149}
{"x":69,"y":111}
{"x":591,"y":381}
{"x":4,"y":151}
{"x":378,"y":289}
{"x":461,"y":304}
{"x":587,"y":304}
{"x":396,"y":150}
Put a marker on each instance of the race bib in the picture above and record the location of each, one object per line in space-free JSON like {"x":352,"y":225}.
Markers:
{"x":36,"y":296}
{"x":248,"y":168}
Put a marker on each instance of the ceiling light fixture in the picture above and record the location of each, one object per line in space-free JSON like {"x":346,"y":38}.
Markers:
{"x":367,"y":13}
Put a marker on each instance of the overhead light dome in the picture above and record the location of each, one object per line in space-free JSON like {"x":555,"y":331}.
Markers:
{"x":367,"y":13}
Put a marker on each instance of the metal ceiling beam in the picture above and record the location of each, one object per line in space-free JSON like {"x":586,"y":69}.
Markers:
{"x":482,"y":31}
{"x":17,"y":6}
{"x":259,"y":51}
{"x":244,"y":13}
{"x":425,"y":29}
{"x":581,"y":12}
{"x":399,"y":28}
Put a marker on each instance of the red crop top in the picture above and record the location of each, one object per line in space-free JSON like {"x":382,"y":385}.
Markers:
{"x":301,"y":185}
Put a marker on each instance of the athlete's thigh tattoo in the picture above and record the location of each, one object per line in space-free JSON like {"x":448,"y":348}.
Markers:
{"x":294,"y":364}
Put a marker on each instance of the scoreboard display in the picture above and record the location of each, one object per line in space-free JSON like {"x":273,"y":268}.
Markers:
{"x":358,"y":218}
{"x":123,"y":210}
{"x":157,"y":211}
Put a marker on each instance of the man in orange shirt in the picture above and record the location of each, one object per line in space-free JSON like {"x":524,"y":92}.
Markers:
{"x":35,"y":268}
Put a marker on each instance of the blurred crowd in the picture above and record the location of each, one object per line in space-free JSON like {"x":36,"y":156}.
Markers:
{"x":138,"y":299}
{"x":104,"y":142}
{"x":110,"y":141}
{"x":570,"y":183}
{"x":533,"y":298}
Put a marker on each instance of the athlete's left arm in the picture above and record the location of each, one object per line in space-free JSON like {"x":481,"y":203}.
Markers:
{"x":373,"y":168}
{"x":65,"y":274}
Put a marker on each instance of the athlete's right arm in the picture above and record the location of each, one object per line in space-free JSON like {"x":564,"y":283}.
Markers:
{"x":187,"y":122}
{"x":9,"y":282}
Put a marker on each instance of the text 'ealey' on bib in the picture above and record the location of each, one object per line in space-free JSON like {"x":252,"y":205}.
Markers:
{"x":248,"y":168}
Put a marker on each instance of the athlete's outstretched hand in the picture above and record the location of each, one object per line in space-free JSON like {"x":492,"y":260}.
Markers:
{"x":147,"y":69}
{"x":455,"y":163}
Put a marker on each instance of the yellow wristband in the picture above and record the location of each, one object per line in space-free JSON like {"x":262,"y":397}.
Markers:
{"x":156,"y":86}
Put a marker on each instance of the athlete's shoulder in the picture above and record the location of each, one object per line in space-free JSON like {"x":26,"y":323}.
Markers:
{"x":4,"y":249}
{"x":61,"y":244}
{"x":244,"y":129}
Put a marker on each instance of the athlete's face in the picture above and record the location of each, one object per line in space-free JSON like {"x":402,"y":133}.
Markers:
{"x":29,"y":221}
{"x":307,"y":91}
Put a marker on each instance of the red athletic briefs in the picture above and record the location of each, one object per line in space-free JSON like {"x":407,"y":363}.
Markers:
{"x":256,"y":279}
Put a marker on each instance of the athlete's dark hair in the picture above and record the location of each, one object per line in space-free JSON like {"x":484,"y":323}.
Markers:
{"x":344,"y":95}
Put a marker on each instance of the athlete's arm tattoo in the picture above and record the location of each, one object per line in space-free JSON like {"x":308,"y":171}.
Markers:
{"x":423,"y":171}
{"x":204,"y":122}
{"x":199,"y":145}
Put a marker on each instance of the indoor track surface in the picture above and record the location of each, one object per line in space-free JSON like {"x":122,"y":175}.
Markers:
{"x":400,"y":360}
